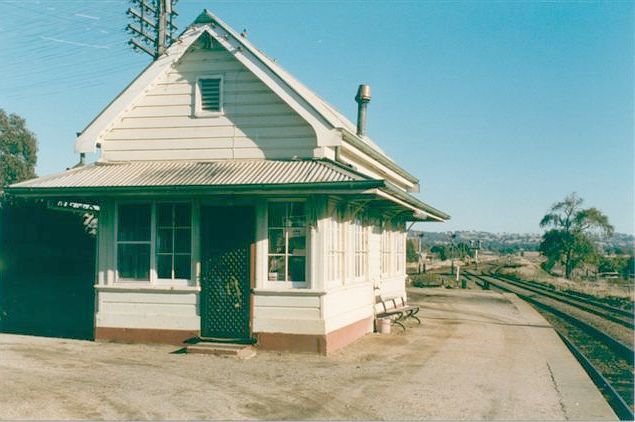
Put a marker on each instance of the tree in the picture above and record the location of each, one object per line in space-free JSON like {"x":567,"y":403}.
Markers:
{"x":18,"y":150}
{"x":442,"y":250}
{"x":568,"y":242}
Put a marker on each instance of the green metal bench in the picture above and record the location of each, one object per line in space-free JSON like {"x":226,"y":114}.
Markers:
{"x":396,"y":309}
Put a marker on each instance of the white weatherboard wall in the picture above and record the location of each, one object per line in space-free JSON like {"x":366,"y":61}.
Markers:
{"x":162,"y":310}
{"x":318,"y":309}
{"x":290,"y":312}
{"x":255,"y":123}
{"x":347,"y":304}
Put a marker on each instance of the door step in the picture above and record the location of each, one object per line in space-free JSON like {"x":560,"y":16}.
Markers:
{"x":242,"y":351}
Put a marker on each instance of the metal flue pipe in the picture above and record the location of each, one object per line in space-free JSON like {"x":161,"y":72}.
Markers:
{"x":362,"y":98}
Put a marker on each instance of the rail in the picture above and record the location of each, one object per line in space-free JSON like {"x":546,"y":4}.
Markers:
{"x":605,"y":311}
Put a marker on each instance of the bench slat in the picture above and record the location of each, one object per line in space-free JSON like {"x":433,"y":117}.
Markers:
{"x":398,"y":309}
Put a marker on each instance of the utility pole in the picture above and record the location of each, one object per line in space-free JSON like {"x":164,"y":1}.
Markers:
{"x":452,"y":237}
{"x":475,"y":245}
{"x":152,"y":26}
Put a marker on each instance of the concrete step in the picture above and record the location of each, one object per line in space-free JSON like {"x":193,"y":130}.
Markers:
{"x":243,"y":351}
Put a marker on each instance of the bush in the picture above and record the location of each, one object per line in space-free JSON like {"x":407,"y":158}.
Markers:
{"x":426,"y":280}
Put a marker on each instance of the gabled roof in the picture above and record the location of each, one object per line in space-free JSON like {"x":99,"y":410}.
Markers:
{"x":334,"y":117}
{"x":304,"y":101}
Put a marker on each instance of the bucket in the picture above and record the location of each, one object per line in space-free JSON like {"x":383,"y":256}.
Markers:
{"x":383,"y":325}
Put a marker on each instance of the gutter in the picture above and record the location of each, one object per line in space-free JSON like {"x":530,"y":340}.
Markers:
{"x":114,"y":190}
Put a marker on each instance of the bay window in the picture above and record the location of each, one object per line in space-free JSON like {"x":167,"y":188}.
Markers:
{"x":400,"y":258}
{"x":385,"y":250}
{"x":360,"y":239}
{"x":335,"y":247}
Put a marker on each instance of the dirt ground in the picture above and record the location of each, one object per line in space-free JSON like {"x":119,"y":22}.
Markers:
{"x":469,"y":359}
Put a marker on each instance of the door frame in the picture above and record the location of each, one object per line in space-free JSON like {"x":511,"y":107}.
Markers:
{"x":252,"y":257}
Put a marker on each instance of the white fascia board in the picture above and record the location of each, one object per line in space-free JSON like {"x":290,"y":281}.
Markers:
{"x":392,"y":198}
{"x":326,"y":133}
{"x":355,"y":142}
{"x":353,"y":155}
{"x":87,"y":140}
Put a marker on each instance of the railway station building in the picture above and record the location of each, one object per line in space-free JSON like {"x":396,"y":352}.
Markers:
{"x":234,"y":204}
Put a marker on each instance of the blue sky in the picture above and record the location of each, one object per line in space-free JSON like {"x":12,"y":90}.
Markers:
{"x":500,"y":108}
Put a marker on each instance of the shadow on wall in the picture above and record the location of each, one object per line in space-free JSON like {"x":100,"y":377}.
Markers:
{"x":47,"y":267}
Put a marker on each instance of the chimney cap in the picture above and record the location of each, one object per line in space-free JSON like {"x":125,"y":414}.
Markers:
{"x":363,"y":93}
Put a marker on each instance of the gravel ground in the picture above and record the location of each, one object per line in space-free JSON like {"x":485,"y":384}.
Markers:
{"x":476,"y":355}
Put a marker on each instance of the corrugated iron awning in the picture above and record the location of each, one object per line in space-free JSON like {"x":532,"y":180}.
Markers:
{"x":198,"y":173}
{"x":219,"y":177}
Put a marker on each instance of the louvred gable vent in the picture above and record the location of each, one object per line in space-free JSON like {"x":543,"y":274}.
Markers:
{"x":210,"y":94}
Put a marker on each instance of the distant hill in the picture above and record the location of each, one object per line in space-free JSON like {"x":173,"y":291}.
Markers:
{"x":619,"y":243}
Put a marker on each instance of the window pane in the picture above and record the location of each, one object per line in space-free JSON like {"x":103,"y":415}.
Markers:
{"x":182,"y":266}
{"x":164,"y":215}
{"x":277,"y":213}
{"x":297,"y":241}
{"x":296,"y":268}
{"x":182,"y":215}
{"x":164,"y":240}
{"x":133,"y":261}
{"x":276,"y":241}
{"x":134,"y":222}
{"x":164,"y":266}
{"x":276,"y":268}
{"x":182,"y":240}
{"x":296,"y":215}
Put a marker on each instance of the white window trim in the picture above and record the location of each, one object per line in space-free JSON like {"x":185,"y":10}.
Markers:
{"x":336,"y":248}
{"x":198,"y":106}
{"x":154,"y":280}
{"x":386,"y":241}
{"x":400,"y":251}
{"x":363,"y":252}
{"x":279,"y":284}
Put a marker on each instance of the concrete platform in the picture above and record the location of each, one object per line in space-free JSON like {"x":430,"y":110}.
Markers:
{"x":476,"y":356}
{"x":495,"y":357}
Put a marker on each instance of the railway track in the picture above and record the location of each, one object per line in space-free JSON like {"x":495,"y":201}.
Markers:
{"x":617,"y":315}
{"x":608,"y":361}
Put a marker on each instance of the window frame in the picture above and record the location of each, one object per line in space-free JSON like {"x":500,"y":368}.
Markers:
{"x":360,"y":248}
{"x":173,"y":228}
{"x":153,"y":278}
{"x":117,"y":242}
{"x":386,"y":250}
{"x":400,"y":251}
{"x":336,"y":246}
{"x":284,"y":284}
{"x":198,"y":97}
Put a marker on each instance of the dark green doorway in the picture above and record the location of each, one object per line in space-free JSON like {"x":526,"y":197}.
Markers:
{"x":227,"y":235}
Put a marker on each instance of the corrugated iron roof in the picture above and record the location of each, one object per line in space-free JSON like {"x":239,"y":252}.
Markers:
{"x":199,"y":173}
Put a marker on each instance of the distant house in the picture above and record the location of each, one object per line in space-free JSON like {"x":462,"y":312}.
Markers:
{"x":235,"y":204}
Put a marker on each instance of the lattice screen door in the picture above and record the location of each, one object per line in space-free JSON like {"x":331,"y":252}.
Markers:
{"x":226,"y":237}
